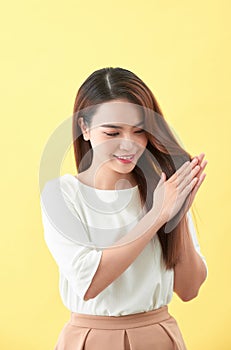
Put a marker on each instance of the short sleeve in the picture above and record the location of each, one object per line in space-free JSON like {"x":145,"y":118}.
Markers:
{"x":194,"y":238}
{"x":78,"y":263}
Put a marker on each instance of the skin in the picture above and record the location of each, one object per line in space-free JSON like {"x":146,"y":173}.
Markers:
{"x":106,"y":172}
{"x":190,"y":272}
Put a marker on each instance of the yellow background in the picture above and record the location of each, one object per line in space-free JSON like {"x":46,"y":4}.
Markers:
{"x":181,"y":49}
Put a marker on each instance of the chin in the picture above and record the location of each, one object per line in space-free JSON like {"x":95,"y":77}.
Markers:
{"x":122,"y":170}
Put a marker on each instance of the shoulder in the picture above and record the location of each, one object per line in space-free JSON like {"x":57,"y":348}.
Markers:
{"x":59,"y":200}
{"x":64,"y":184}
{"x":59,"y":193}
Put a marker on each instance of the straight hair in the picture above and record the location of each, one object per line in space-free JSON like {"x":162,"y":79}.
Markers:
{"x":163,"y":151}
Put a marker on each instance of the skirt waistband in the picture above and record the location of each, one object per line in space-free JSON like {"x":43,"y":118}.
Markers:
{"x":120,"y":322}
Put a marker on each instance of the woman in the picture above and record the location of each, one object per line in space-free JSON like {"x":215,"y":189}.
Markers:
{"x":124,"y":239}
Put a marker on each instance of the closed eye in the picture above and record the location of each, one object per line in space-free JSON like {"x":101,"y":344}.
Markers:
{"x":116,"y":133}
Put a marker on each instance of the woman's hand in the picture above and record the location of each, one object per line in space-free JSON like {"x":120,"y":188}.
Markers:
{"x":169,"y":196}
{"x":201,"y":176}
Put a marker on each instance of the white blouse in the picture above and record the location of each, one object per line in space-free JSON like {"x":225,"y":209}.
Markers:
{"x":79,"y":223}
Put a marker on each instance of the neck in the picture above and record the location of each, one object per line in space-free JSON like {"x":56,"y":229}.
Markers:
{"x":107,"y":180}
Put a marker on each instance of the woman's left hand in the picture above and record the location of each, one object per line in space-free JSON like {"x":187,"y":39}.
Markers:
{"x":189,"y":200}
{"x":201,"y":176}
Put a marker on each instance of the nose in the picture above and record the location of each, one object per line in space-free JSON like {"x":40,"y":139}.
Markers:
{"x":126,"y":144}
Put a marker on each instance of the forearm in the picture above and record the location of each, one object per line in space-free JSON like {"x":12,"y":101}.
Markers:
{"x":115,"y":261}
{"x":190,"y":271}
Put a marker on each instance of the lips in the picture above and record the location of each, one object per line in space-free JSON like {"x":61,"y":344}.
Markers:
{"x":125,"y":160}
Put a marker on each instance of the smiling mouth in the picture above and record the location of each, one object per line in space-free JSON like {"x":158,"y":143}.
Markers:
{"x":129,"y":157}
{"x":125,"y":159}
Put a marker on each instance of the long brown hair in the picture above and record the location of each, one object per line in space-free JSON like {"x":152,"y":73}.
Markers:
{"x":164,"y":153}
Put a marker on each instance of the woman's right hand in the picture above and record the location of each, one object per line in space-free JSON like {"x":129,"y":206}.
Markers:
{"x":170,"y":195}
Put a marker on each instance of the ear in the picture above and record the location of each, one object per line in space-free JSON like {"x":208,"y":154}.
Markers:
{"x":84,"y":129}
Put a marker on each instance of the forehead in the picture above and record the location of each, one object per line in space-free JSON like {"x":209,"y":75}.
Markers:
{"x":118,"y":112}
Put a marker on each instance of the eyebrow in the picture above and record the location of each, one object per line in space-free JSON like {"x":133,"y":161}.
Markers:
{"x":119,"y":127}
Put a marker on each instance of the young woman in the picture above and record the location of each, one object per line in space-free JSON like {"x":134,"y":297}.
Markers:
{"x":123,"y":238}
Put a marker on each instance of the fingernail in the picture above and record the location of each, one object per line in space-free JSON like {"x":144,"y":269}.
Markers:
{"x":195,"y":160}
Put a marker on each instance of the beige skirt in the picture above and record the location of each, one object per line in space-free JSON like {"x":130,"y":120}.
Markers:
{"x":151,"y":330}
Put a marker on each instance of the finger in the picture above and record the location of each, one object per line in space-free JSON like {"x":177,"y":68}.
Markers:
{"x":202,"y":168}
{"x":162,"y":177}
{"x":191,"y":171}
{"x":198,"y":184}
{"x":187,"y":189}
{"x":188,"y":177}
{"x":185,"y":165}
{"x":187,"y":174}
{"x":203,"y":165}
{"x":195,"y":160}
{"x":192,"y":194}
{"x":201,"y":179}
{"x":199,"y":174}
{"x":185,"y":169}
{"x":179,"y":171}
{"x":200,"y":157}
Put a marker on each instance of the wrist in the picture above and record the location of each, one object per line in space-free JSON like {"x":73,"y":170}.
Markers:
{"x":159,"y":219}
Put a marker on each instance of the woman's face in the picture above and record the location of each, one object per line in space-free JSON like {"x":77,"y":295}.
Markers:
{"x":116,"y":135}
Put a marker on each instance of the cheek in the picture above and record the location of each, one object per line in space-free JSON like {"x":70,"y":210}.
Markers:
{"x":98,"y":141}
{"x":104,"y":146}
{"x":143,"y":141}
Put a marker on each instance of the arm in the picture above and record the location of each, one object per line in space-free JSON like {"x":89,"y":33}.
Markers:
{"x":191,"y":270}
{"x":116,"y":260}
{"x":77,"y":263}
{"x":88,"y":270}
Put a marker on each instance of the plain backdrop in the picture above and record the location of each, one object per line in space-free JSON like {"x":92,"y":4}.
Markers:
{"x":181,"y":50}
